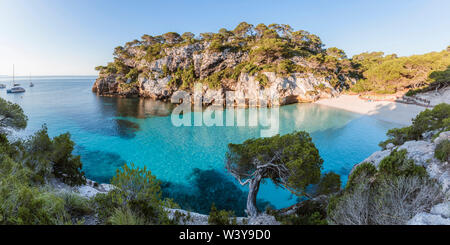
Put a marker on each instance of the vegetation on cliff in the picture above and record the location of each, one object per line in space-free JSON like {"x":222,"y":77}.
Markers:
{"x":399,"y":188}
{"x":26,"y":167}
{"x":393,"y":194}
{"x":273,"y":48}
{"x":387,"y":74}
{"x":429,"y":121}
{"x":290,"y":161}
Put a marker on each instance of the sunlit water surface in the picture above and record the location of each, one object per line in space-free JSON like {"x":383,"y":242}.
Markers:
{"x":188,"y":160}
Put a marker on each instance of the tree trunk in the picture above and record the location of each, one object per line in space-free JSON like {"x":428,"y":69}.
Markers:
{"x":251,"y":199}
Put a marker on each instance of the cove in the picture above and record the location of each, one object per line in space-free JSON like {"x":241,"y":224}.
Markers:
{"x":189,"y":160}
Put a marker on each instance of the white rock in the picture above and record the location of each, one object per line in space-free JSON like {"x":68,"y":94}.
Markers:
{"x":420,"y":151}
{"x":428,"y":219}
{"x":443,"y":136}
{"x":442,"y":209}
{"x":390,"y":146}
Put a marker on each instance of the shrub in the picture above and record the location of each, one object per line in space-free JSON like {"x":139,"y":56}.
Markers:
{"x":138,"y":192}
{"x":391,"y":195}
{"x":361,"y":173}
{"x":442,"y":151}
{"x":221,"y":217}
{"x":66,"y":166}
{"x":124,"y":216}
{"x":262,"y":79}
{"x":436,"y":120}
{"x":397,"y":164}
{"x":309,"y":213}
{"x":329,"y":183}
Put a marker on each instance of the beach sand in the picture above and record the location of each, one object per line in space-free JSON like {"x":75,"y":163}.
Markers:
{"x":383,"y":110}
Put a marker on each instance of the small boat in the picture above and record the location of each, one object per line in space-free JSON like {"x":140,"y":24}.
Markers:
{"x":2,"y":85}
{"x":15,"y":90}
{"x":31,"y":84}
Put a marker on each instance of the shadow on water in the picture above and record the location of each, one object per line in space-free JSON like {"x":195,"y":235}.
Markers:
{"x":208,"y":187}
{"x":100,"y":165}
{"x":119,"y":111}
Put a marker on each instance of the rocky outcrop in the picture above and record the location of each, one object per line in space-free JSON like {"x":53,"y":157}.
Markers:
{"x":183,"y":217}
{"x":247,"y":90}
{"x":422,"y":152}
{"x":439,"y":215}
{"x":189,"y":218}
{"x":88,"y":190}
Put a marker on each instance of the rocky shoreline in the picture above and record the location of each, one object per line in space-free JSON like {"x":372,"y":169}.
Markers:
{"x":155,"y":79}
{"x":422,"y":152}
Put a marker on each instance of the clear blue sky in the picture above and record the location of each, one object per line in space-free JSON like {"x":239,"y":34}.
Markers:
{"x":71,"y":37}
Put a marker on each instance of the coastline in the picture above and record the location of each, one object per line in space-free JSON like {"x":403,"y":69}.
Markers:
{"x":382,"y":110}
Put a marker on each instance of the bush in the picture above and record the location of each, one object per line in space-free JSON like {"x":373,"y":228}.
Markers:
{"x":262,"y":79}
{"x":391,"y":195}
{"x":442,"y":151}
{"x":125,"y":217}
{"x":66,"y":166}
{"x":136,"y":198}
{"x":436,"y":120}
{"x":309,"y":213}
{"x":360,"y":174}
{"x":329,"y":183}
{"x":397,"y":164}
{"x":221,"y":217}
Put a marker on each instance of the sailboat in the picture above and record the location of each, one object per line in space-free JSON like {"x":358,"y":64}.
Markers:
{"x":15,"y":88}
{"x":31,"y":84}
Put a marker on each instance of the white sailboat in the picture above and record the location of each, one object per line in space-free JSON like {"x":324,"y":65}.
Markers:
{"x":15,"y":88}
{"x":31,"y":84}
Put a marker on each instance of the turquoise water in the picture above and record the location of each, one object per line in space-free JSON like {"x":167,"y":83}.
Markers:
{"x":188,"y":160}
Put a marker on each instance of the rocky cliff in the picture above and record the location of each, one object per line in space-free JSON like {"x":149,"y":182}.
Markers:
{"x":422,"y":152}
{"x":270,"y":66}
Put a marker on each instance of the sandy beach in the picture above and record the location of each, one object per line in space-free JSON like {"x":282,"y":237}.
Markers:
{"x":385,"y":110}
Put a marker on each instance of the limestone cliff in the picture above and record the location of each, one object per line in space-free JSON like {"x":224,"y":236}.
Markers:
{"x":277,"y":68}
{"x":422,"y":152}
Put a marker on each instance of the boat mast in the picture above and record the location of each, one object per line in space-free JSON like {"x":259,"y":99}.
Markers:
{"x":13,"y":74}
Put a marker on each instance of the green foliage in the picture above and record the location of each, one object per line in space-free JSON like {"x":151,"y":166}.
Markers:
{"x":165,"y":71}
{"x":390,"y":195}
{"x":12,"y":116}
{"x":25,"y":168}
{"x":76,"y":205}
{"x":268,"y":48}
{"x":263,"y":80}
{"x":136,"y":200}
{"x":125,"y":217}
{"x":294,"y":151}
{"x":183,"y":78}
{"x":437,"y":119}
{"x":389,"y":74}
{"x":132,"y":74}
{"x":442,"y":151}
{"x":397,"y":164}
{"x":360,"y":174}
{"x":221,"y":217}
{"x":309,"y":213}
{"x":48,"y":158}
{"x":329,"y":183}
{"x":23,"y":203}
{"x":66,"y":166}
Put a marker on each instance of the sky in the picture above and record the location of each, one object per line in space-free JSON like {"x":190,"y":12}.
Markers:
{"x":71,"y":37}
